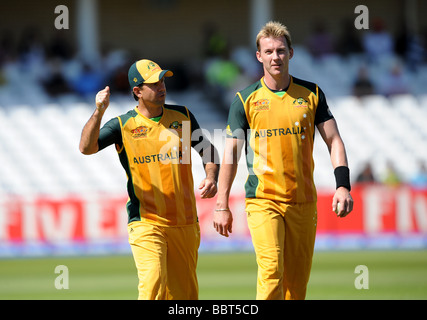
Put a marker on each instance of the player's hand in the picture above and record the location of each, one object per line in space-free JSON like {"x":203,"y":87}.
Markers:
{"x":342,"y":201}
{"x":102,"y":99}
{"x":223,"y":222}
{"x":207,"y":188}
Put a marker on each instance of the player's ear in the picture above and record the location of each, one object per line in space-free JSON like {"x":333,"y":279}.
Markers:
{"x":137,"y":91}
{"x":258,"y":56}
{"x":291,"y":53}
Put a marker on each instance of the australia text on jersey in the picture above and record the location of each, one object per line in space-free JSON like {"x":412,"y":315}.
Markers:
{"x":279,"y":132}
{"x":165,"y":158}
{"x":174,"y":152}
{"x":178,"y":140}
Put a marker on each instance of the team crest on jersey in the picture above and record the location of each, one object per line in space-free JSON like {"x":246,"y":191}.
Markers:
{"x":176,"y":126}
{"x":261,"y":105}
{"x":300,"y":103}
{"x":140,"y":132}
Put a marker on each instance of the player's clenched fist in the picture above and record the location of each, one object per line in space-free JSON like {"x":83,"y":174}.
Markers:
{"x":102,"y":99}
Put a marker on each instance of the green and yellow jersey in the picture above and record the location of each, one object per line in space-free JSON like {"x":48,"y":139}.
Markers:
{"x":279,"y":129}
{"x":156,"y":156}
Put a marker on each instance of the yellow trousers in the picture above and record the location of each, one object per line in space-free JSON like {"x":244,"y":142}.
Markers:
{"x":166,"y":260}
{"x":283,"y":236}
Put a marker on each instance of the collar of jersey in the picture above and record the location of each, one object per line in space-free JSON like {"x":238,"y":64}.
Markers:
{"x":285,"y":93}
{"x":148,"y":119}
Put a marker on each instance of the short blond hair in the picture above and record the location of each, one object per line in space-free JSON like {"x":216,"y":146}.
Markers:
{"x":274,"y":29}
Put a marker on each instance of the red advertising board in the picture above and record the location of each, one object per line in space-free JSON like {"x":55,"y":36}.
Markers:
{"x":48,"y":222}
{"x":377,"y":209}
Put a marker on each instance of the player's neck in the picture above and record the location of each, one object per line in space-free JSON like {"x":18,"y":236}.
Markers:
{"x":281,"y":82}
{"x":150,"y":111}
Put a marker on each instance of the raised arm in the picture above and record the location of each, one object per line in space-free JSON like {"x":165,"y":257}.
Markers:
{"x":90,"y":132}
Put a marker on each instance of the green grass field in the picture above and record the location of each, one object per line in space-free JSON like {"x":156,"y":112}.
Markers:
{"x":392,"y":275}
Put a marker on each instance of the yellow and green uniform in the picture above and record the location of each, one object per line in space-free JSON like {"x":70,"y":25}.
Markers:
{"x":163,"y":227}
{"x":279,"y":130}
{"x":157,"y":160}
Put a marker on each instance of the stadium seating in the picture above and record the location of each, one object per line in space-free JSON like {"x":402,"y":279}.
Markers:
{"x":39,"y":136}
{"x":39,"y":146}
{"x":383,"y":130}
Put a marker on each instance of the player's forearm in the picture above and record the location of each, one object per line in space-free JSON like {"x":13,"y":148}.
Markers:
{"x":338,"y":153}
{"x":228,"y":171}
{"x":212,"y":171}
{"x":90,"y":134}
{"x":330,"y":134}
{"x":225,"y":182}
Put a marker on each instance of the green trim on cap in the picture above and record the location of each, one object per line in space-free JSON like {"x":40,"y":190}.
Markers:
{"x":146,"y":71}
{"x":135,"y":78}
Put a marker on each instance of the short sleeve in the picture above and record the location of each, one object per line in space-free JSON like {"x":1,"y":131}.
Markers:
{"x":322,"y":112}
{"x":237,"y":123}
{"x":110,"y":134}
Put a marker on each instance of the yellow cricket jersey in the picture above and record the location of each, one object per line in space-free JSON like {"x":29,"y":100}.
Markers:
{"x":279,"y":132}
{"x":157,"y":159}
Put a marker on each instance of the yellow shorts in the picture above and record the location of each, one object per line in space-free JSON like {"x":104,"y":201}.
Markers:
{"x":166,"y":260}
{"x":283,"y":236}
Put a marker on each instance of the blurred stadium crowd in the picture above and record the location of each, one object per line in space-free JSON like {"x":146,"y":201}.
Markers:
{"x":354,"y":63}
{"x":374,"y":61}
{"x":51,"y":69}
